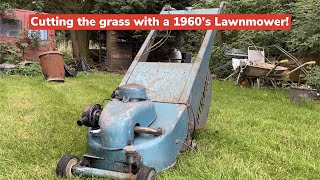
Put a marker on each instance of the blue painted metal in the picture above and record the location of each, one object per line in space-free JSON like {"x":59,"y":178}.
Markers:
{"x":109,"y":144}
{"x":164,"y":82}
{"x":178,"y":101}
{"x":161,"y":152}
{"x":118,"y":119}
{"x":131,"y":91}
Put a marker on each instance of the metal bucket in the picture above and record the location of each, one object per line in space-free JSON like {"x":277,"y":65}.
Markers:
{"x":52,"y":66}
{"x":297,"y":93}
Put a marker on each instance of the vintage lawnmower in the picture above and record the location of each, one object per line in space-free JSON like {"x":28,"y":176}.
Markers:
{"x":150,"y":118}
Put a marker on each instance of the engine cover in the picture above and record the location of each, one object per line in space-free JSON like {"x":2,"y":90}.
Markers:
{"x":118,"y":119}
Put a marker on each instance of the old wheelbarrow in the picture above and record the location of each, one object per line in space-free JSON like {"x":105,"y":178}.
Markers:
{"x":251,"y":75}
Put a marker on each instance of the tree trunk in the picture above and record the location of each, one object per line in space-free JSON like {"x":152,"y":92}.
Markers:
{"x":80,"y":44}
{"x":75,"y":46}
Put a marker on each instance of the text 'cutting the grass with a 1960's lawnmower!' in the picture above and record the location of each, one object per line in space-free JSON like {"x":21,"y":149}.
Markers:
{"x":160,"y":22}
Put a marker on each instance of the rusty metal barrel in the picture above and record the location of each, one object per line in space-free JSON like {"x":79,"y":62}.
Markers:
{"x":52,"y":66}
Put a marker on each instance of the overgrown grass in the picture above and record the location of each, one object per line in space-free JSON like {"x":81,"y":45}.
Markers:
{"x":251,"y":134}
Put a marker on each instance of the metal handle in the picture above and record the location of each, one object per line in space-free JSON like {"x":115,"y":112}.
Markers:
{"x":301,"y":66}
{"x":146,"y":130}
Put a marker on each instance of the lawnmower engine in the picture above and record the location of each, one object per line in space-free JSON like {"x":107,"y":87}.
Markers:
{"x":150,"y":118}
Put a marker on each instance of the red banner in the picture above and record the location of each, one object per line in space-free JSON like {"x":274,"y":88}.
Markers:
{"x":160,"y":22}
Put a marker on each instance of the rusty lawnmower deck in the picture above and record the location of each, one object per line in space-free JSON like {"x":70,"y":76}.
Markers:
{"x":150,"y":118}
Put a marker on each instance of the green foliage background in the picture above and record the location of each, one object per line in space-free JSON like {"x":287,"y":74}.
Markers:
{"x":313,"y":78}
{"x":303,"y":39}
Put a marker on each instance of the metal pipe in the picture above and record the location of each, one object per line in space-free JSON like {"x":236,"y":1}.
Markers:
{"x":89,"y":172}
{"x":147,"y":130}
{"x":301,"y":66}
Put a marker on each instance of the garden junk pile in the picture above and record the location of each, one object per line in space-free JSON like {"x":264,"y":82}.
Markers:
{"x":254,"y":70}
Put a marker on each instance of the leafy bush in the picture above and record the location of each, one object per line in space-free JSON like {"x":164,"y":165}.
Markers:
{"x":30,"y":70}
{"x":9,"y":53}
{"x":5,"y":8}
{"x":35,"y":39}
{"x":60,"y":36}
{"x":313,"y":78}
{"x":220,"y":64}
{"x":304,"y":37}
{"x":67,"y":58}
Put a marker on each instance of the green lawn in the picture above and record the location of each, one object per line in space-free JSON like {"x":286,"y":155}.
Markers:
{"x":251,"y":134}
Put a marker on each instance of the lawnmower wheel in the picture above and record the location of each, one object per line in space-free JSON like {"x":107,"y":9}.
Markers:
{"x":65,"y":164}
{"x":146,"y":173}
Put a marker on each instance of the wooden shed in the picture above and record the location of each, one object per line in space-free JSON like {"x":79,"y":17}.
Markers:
{"x":14,"y":29}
